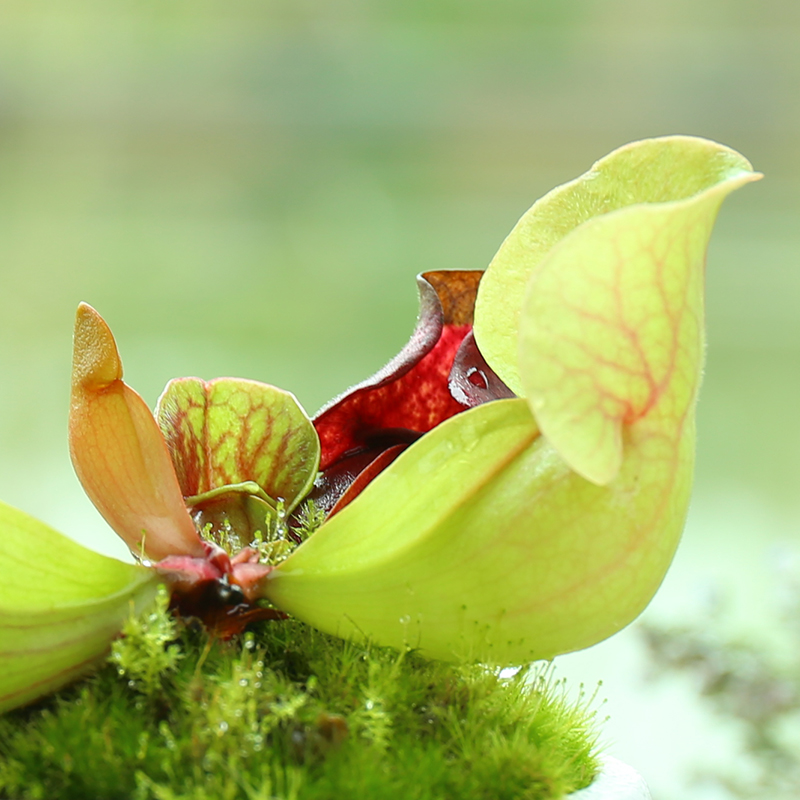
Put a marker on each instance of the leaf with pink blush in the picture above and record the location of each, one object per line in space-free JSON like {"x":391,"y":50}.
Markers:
{"x":238,"y":433}
{"x":119,"y":453}
{"x":648,"y":172}
{"x":611,"y":324}
{"x":615,"y":342}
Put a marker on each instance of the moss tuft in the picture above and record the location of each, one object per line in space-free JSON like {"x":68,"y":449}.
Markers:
{"x":288,"y":712}
{"x":147,"y":651}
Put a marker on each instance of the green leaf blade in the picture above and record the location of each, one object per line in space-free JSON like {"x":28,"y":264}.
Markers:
{"x":60,"y":606}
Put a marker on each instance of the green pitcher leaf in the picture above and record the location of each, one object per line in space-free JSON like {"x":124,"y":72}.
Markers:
{"x":661,"y":170}
{"x":485,"y":539}
{"x":234,"y":432}
{"x":60,"y":606}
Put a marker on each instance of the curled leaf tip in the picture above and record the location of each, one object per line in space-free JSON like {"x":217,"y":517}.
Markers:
{"x":96,"y":362}
{"x":611,"y":326}
{"x":593,"y":306}
{"x":656,"y":171}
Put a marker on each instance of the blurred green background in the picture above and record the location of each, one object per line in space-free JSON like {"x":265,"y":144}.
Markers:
{"x":249,"y":187}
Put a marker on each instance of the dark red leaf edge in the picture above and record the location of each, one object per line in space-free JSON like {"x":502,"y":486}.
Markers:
{"x":438,"y":374}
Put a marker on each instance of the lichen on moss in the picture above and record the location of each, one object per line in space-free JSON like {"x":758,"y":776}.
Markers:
{"x":287,"y":712}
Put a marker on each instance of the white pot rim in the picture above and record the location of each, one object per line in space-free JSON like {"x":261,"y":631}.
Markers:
{"x":615,"y":781}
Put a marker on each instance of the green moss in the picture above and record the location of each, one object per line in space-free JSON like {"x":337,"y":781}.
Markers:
{"x":288,"y":712}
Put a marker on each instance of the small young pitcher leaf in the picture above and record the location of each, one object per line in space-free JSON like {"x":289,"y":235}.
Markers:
{"x":232,"y":431}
